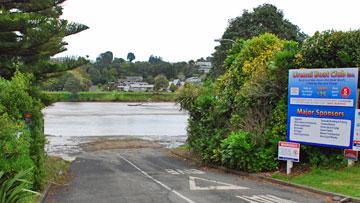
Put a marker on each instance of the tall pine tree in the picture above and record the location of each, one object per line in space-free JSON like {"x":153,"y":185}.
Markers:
{"x":31,"y":31}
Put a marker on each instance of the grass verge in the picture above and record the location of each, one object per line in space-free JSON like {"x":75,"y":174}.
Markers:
{"x":343,"y":181}
{"x":56,"y":169}
{"x":56,"y":173}
{"x":111,"y":96}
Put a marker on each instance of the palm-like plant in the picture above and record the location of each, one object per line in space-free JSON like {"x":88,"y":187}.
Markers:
{"x":14,"y":189}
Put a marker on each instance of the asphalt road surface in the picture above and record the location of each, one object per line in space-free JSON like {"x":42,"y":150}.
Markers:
{"x":152,"y":175}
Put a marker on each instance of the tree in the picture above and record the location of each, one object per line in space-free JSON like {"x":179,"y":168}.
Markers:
{"x":131,"y":56}
{"x":55,"y":83}
{"x":161,"y":82}
{"x":32,"y":32}
{"x":154,"y":59}
{"x":173,"y":87}
{"x":118,"y":60}
{"x":265,"y":18}
{"x":331,"y":49}
{"x":105,"y":58}
{"x":200,"y":60}
{"x":72,"y":85}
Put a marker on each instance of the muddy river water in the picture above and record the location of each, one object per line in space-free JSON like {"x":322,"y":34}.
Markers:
{"x":69,"y":124}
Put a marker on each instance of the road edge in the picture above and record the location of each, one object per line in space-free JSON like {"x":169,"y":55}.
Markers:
{"x":341,"y":197}
{"x":45,"y":193}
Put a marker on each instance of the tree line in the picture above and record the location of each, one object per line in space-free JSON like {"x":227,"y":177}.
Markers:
{"x":108,"y":68}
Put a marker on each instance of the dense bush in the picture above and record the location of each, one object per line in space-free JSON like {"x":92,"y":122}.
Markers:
{"x":240,"y":103}
{"x":205,"y":129}
{"x":238,"y":120}
{"x":331,"y":49}
{"x":238,"y":151}
{"x":21,"y":143}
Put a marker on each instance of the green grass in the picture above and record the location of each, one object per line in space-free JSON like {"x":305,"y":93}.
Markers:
{"x":111,"y":96}
{"x":344,"y":181}
{"x":184,"y":147}
{"x":55,"y":172}
{"x":56,"y":169}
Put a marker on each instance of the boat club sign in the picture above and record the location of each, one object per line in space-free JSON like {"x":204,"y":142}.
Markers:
{"x":321,"y":106}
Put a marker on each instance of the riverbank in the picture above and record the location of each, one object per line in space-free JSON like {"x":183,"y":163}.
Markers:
{"x":114,"y":96}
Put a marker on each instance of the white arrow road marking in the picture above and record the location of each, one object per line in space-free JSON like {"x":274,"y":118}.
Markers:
{"x":184,"y":171}
{"x":158,"y":182}
{"x":264,"y":199}
{"x":222,"y":186}
{"x":193,"y":171}
{"x":171,"y":171}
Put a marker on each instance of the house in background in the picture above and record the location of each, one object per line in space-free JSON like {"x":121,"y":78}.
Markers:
{"x":141,"y":88}
{"x":193,"y":80}
{"x":176,"y":82}
{"x":204,"y":66}
{"x":134,"y":84}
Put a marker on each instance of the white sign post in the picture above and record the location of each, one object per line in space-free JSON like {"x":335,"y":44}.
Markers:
{"x":289,"y":152}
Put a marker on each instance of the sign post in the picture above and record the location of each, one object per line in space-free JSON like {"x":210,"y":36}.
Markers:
{"x":321,"y":106}
{"x":289,"y":165}
{"x":351,"y":156}
{"x":289,"y":152}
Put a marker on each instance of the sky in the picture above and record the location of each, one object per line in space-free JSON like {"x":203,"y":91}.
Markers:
{"x":181,"y":30}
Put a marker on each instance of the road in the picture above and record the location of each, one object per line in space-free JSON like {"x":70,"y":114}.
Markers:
{"x":152,"y":175}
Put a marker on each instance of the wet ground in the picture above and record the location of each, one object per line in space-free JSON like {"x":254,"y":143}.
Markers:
{"x":120,"y":155}
{"x":69,"y":125}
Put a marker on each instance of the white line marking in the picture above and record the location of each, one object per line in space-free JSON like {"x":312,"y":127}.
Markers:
{"x":264,"y":199}
{"x":193,"y":171}
{"x":222,"y":186}
{"x":171,"y":171}
{"x":184,"y":171}
{"x":158,"y":182}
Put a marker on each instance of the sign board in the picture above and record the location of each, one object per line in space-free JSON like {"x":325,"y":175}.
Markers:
{"x":321,"y":106}
{"x":351,"y":154}
{"x":289,"y":151}
{"x":356,"y":143}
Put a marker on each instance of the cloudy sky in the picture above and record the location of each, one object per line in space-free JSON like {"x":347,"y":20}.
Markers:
{"x":180,"y":30}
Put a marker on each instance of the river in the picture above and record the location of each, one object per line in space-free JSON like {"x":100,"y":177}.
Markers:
{"x":68,"y":124}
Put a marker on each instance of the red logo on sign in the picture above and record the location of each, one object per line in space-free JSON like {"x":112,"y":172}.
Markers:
{"x":345,"y":92}
{"x":351,"y":154}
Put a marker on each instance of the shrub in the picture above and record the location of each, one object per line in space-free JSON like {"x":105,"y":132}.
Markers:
{"x":15,"y":189}
{"x":331,"y":49}
{"x":22,"y":144}
{"x":238,"y":151}
{"x":15,"y":144}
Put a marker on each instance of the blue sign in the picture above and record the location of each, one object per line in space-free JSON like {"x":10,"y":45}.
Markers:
{"x":321,"y":106}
